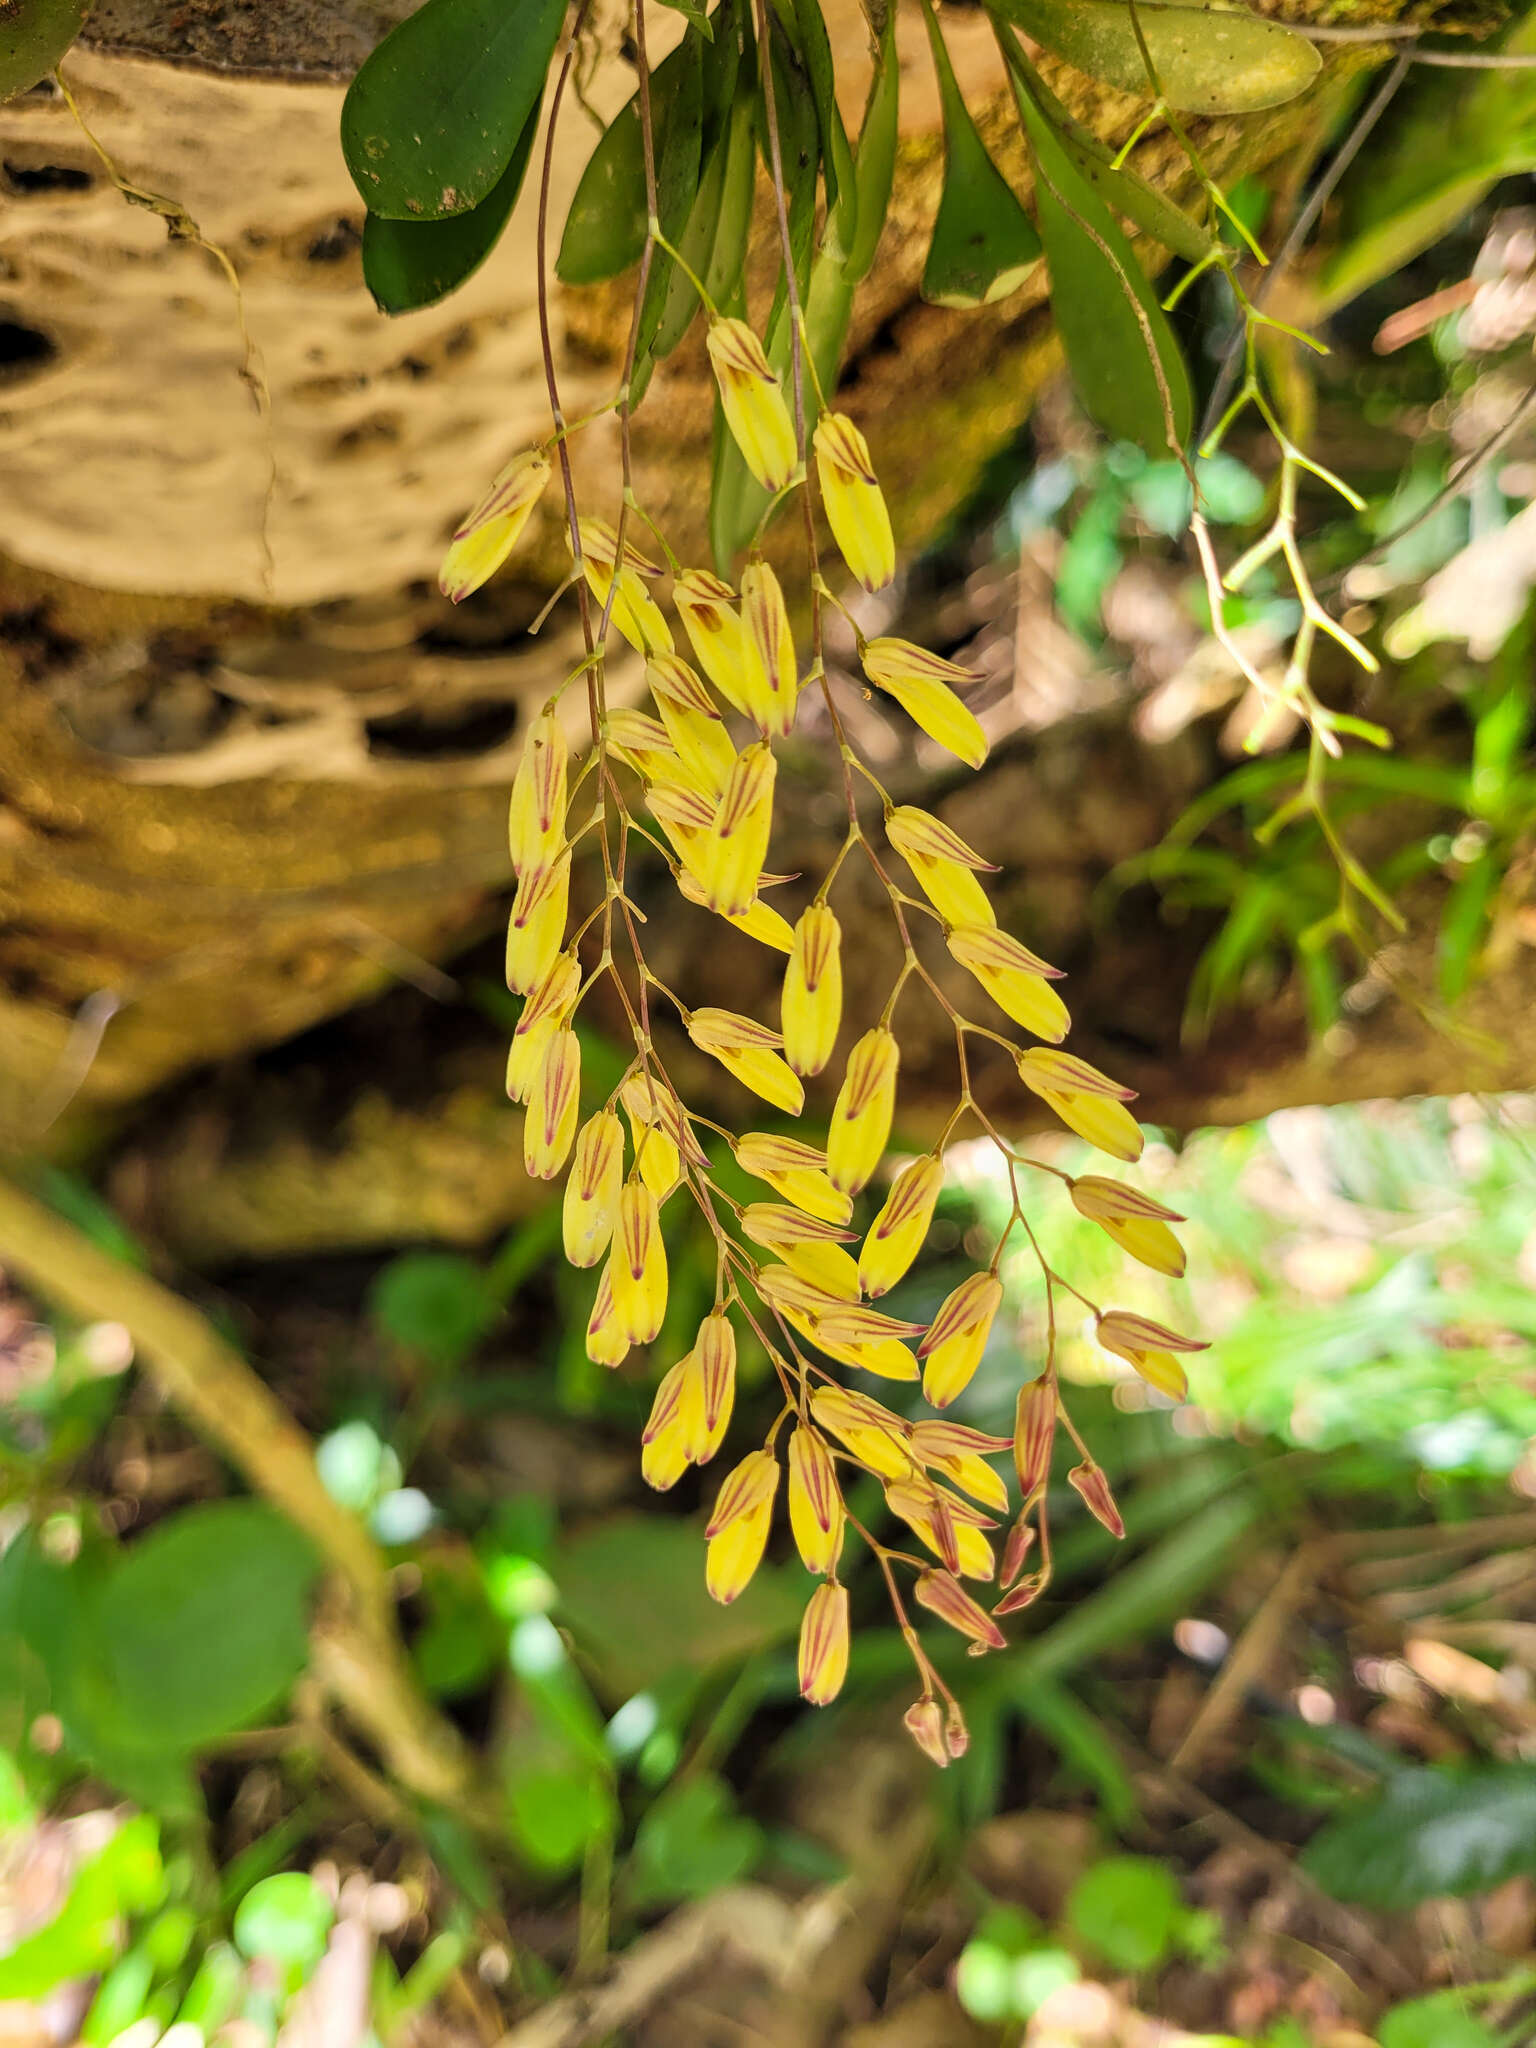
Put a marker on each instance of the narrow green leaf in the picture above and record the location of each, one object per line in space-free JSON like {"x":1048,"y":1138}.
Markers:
{"x":728,"y":256}
{"x":605,"y":228}
{"x":874,"y":168}
{"x":1464,"y":924}
{"x":677,"y":186}
{"x":984,"y":243}
{"x":1120,"y":187}
{"x":412,"y":263}
{"x":736,"y":500}
{"x":837,"y":168}
{"x":1209,"y":60}
{"x":432,"y":119}
{"x":1120,"y":349}
{"x":680,"y":301}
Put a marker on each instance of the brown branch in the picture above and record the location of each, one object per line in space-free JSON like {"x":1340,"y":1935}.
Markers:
{"x":358,"y":1651}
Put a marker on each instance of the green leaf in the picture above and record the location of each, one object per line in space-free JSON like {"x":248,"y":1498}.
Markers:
{"x":1453,"y":133}
{"x":874,"y":168}
{"x":120,"y":1999}
{"x":202,"y":1626}
{"x":633,"y":1595}
{"x":677,"y":188}
{"x":1080,"y":1741}
{"x":1127,"y":1909}
{"x":412,"y":263}
{"x":1121,"y":188}
{"x":693,"y":13}
{"x":737,"y":502}
{"x":434,"y":116}
{"x":605,"y":228}
{"x":692,"y":1843}
{"x":558,"y":1801}
{"x":1120,"y":349}
{"x":1209,"y":60}
{"x":714,"y":242}
{"x":126,"y":1876}
{"x":837,"y":169}
{"x":77,"y":1201}
{"x":984,"y":243}
{"x":1439,"y":2021}
{"x":1430,"y":1835}
{"x":286,"y":1918}
{"x":214,"y":1991}
{"x":435,"y":1303}
{"x":728,"y":252}
{"x":34,"y":34}
{"x":1464,"y":923}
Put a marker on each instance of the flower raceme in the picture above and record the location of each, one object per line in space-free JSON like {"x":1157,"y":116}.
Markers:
{"x":692,"y":769}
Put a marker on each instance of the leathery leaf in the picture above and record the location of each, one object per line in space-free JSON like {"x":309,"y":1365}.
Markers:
{"x":1208,"y":60}
{"x":1120,"y":349}
{"x":432,"y":119}
{"x":984,"y":243}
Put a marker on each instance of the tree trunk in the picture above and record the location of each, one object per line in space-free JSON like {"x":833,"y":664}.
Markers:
{"x":253,"y":768}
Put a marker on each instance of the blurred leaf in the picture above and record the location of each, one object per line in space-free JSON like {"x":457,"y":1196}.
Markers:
{"x":692,"y":1842}
{"x":433,"y":1303}
{"x":1139,"y":1599}
{"x":1127,"y":1909}
{"x":433,"y":118}
{"x":875,"y":159}
{"x":461,"y":1642}
{"x":677,"y":186}
{"x":632,"y":1592}
{"x":355,"y":1465}
{"x":203,"y":1625}
{"x":459,"y":1856}
{"x":1038,"y":1975}
{"x":556,"y":1805}
{"x":214,"y":1991}
{"x":556,"y":1690}
{"x":120,"y":1999}
{"x":286,"y":1918}
{"x":1082,"y":1745}
{"x":78,"y":1202}
{"x":124,"y":1877}
{"x":815,"y":53}
{"x":1451,"y":134}
{"x":1430,"y":1835}
{"x":1440,"y":2021}
{"x":1464,"y":923}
